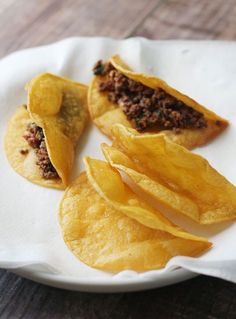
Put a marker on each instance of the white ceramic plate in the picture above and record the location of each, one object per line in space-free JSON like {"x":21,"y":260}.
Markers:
{"x":108,"y":286}
{"x":29,"y":231}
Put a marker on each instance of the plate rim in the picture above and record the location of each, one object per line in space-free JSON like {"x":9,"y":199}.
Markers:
{"x":106,"y":286}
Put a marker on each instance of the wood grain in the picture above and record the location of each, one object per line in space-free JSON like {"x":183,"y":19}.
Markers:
{"x":31,"y":23}
{"x":25,"y":23}
{"x":199,"y":298}
{"x":193,"y":19}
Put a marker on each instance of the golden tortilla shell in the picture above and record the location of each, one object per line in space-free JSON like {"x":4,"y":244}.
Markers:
{"x":166,"y":198}
{"x":108,"y":183}
{"x":24,"y":164}
{"x":182,"y":171}
{"x":59,"y":107}
{"x":105,"y":113}
{"x":105,"y":238}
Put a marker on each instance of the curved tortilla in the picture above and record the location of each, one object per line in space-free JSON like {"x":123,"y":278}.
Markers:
{"x":105,"y":113}
{"x":105,"y":238}
{"x":181,"y":171}
{"x":108,"y":183}
{"x":24,"y":164}
{"x":59,"y":107}
{"x":165,"y":197}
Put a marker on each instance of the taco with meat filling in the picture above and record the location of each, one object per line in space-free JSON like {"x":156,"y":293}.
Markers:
{"x":41,"y":137}
{"x":148,"y":104}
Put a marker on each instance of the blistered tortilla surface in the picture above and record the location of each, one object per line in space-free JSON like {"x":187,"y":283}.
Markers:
{"x":181,"y":171}
{"x":105,"y":238}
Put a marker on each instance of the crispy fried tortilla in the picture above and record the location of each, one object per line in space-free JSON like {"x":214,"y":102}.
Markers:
{"x":175,"y":168}
{"x":40,"y":139}
{"x":106,"y":238}
{"x":164,"y":196}
{"x":148,"y":104}
{"x":108,"y":183}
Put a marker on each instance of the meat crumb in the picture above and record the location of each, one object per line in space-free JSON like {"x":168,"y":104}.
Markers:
{"x":35,"y":137}
{"x":101,"y":68}
{"x":218,"y":123}
{"x":24,"y":151}
{"x":145,"y":107}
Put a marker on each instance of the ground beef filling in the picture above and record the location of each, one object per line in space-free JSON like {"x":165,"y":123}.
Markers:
{"x":35,"y":138}
{"x":146,"y":108}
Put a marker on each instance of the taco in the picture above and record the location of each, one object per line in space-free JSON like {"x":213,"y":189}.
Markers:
{"x":173,"y":176}
{"x":97,"y":229}
{"x":41,"y":137}
{"x":148,"y":104}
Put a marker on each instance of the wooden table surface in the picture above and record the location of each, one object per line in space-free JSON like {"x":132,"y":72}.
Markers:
{"x":30,"y":23}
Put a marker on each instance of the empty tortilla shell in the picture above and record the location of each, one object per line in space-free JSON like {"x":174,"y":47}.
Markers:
{"x":105,"y":238}
{"x":108,"y":183}
{"x":105,"y":113}
{"x":181,"y":171}
{"x":59,"y":107}
{"x":165,"y":197}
